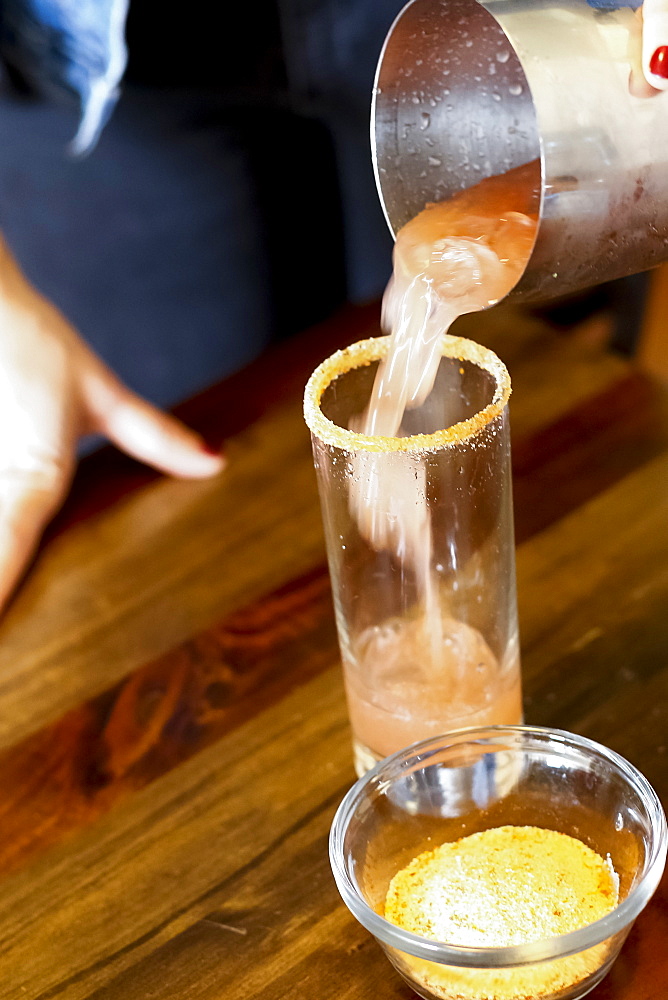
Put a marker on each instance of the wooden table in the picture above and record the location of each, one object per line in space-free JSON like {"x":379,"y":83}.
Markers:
{"x":173,"y":729}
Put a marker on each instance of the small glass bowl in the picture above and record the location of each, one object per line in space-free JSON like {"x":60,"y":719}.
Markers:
{"x":476,"y":779}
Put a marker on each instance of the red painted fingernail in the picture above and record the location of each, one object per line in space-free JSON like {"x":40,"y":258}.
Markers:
{"x":658,"y":64}
{"x":214,"y":450}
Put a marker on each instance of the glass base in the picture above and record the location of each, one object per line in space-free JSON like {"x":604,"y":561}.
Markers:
{"x":450,"y":788}
{"x":363,"y":758}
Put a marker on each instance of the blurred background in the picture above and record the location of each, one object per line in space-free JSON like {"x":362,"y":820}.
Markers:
{"x":230,"y":201}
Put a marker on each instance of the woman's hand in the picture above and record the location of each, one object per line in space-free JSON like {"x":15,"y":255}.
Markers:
{"x":53,"y":390}
{"x":649,"y":50}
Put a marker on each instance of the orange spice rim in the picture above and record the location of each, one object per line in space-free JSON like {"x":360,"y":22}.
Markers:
{"x":558,"y":744}
{"x":364,"y":352}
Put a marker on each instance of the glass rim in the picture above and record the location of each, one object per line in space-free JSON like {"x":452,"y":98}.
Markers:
{"x":559,"y":946}
{"x":363,"y":353}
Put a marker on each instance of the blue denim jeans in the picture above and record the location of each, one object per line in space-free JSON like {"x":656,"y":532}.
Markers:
{"x":71,"y":48}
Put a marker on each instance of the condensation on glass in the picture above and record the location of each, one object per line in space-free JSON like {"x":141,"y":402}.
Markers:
{"x":465,"y":90}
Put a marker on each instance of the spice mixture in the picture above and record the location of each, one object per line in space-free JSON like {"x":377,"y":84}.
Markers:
{"x":507,"y":886}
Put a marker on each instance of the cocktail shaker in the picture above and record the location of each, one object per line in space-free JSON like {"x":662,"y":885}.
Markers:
{"x":465,"y":90}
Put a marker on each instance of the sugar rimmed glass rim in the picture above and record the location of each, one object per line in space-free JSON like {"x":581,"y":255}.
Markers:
{"x":365,"y":352}
{"x":559,"y":946}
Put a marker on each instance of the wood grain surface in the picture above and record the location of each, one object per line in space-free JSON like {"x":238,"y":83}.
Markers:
{"x":173,"y":732}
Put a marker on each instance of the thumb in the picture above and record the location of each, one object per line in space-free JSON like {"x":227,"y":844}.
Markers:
{"x":655,"y":43}
{"x":144,"y":431}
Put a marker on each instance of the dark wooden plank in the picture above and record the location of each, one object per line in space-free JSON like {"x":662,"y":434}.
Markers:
{"x":66,"y":776}
{"x":70,"y":773}
{"x":91,"y":908}
{"x":106,"y":749}
{"x":586,"y":450}
{"x":234,"y":896}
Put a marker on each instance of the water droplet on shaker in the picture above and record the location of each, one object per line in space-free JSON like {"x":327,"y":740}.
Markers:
{"x":426,"y":121}
{"x":503,"y":56}
{"x":415,"y":100}
{"x":433,"y":161}
{"x":515,"y":89}
{"x":496,"y":96}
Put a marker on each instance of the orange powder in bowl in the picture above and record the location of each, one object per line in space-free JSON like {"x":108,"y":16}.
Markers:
{"x":506,"y":886}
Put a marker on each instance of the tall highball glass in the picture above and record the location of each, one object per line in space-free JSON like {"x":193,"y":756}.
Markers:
{"x":419,"y":533}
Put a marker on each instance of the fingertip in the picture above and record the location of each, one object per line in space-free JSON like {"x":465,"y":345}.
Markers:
{"x":201,"y":463}
{"x":639,"y":85}
{"x":215,"y":451}
{"x":159,"y":439}
{"x":655,"y":87}
{"x":656,"y":69}
{"x":655,"y":43}
{"x":183,"y":453}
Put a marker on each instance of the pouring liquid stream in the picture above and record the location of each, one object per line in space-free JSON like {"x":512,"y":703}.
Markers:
{"x":455,"y":257}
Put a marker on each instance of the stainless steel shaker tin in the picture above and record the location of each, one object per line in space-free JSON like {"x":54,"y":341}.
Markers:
{"x":465,"y":90}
